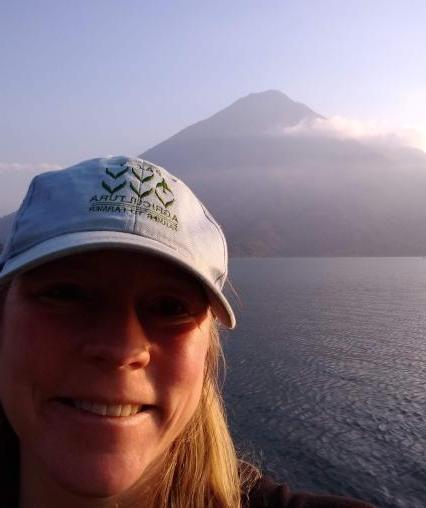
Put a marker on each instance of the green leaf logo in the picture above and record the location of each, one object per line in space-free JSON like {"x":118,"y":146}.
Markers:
{"x":115,"y":175}
{"x":164,"y":193}
{"x":148,"y":171}
{"x":111,"y":190}
{"x":140,"y":194}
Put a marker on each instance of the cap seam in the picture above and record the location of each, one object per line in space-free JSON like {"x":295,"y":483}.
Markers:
{"x":139,"y":191}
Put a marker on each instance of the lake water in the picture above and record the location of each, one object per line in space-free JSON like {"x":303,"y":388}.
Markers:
{"x":326,"y":380}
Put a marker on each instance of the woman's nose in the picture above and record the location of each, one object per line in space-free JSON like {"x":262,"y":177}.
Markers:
{"x":118,"y":340}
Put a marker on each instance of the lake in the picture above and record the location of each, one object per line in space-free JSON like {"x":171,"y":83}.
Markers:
{"x":326,"y":378}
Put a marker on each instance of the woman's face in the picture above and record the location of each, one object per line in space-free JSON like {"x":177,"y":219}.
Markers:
{"x":102,"y":359}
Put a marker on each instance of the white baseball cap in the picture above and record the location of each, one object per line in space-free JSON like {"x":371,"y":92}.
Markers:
{"x":119,"y":203}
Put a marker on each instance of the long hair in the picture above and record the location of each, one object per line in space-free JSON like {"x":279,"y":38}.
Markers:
{"x":201,"y":468}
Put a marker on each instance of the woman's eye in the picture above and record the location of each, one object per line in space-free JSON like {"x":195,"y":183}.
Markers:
{"x":62,"y":293}
{"x":170,"y":309}
{"x":168,"y":306}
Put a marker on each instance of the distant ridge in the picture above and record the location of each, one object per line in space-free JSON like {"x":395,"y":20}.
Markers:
{"x":6,"y":223}
{"x":280,"y":192}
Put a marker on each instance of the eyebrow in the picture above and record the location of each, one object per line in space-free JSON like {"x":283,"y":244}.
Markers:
{"x":44,"y":271}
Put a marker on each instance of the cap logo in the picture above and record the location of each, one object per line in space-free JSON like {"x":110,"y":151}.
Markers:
{"x":163,"y":193}
{"x":139,"y":188}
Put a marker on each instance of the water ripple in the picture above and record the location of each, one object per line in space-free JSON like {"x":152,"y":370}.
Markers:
{"x":327,"y":374}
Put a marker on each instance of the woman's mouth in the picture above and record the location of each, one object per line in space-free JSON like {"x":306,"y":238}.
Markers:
{"x":101,"y":409}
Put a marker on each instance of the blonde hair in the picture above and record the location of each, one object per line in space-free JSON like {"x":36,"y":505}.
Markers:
{"x":201,"y":468}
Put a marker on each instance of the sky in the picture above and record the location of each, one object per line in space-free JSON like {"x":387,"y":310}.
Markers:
{"x":85,"y":78}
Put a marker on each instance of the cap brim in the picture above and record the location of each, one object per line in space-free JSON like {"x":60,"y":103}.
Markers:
{"x":86,"y":241}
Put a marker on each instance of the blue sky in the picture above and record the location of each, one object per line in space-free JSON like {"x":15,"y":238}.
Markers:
{"x":85,"y":78}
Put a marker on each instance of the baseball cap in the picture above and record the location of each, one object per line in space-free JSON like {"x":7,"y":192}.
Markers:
{"x":119,"y":203}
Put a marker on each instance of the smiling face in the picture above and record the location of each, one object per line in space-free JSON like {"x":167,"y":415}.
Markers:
{"x":102,"y":360}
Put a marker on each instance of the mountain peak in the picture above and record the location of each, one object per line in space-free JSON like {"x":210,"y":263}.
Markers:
{"x":266,"y":95}
{"x":266,"y":111}
{"x":256,"y":114}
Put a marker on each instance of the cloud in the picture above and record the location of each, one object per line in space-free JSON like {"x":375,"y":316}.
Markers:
{"x":339,"y":127}
{"x":38,"y":167}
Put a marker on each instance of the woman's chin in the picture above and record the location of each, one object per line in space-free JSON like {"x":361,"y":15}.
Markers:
{"x":101,"y":478}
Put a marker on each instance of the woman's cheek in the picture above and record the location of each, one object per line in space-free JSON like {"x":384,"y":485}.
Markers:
{"x":33,"y":355}
{"x":186,"y":359}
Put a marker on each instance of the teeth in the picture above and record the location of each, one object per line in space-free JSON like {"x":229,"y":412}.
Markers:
{"x":126,"y":410}
{"x":107,"y":410}
{"x":99,"y":409}
{"x":134,"y":410}
{"x":114,"y":410}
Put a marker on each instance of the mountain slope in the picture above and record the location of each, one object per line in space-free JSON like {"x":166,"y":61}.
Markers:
{"x":279,"y":194}
{"x":232,"y":136}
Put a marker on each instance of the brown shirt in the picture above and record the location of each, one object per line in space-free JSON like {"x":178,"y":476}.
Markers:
{"x":268,"y":494}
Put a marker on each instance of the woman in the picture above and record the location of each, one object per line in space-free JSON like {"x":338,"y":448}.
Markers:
{"x":111,"y":287}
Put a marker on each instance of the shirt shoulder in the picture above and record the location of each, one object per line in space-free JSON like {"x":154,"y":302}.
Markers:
{"x":268,"y":494}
